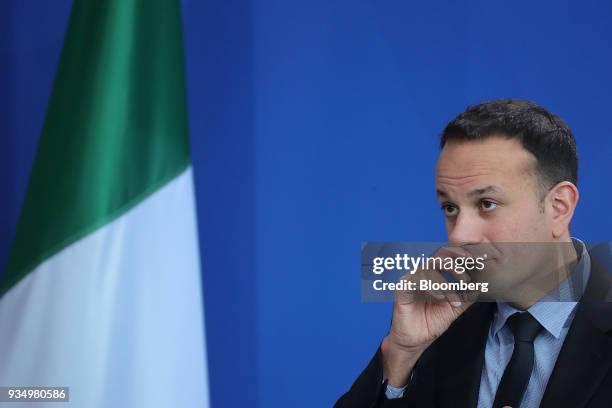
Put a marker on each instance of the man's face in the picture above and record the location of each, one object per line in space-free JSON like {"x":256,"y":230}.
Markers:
{"x":489,"y":193}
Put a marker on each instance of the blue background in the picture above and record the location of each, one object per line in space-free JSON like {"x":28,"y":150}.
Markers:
{"x":314,"y":127}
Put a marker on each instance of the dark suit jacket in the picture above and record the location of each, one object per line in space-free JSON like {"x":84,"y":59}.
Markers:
{"x":448,"y":373}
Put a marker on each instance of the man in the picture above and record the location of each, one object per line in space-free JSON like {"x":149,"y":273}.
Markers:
{"x":507,"y":172}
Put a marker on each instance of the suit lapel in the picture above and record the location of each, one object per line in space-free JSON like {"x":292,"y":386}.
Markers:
{"x":586,"y":355}
{"x":461,"y":358}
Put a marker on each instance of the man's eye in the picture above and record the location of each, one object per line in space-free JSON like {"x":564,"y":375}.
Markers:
{"x":488,"y":205}
{"x":450,"y":210}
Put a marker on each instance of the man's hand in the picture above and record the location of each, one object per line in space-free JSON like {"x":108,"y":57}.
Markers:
{"x":418,"y":319}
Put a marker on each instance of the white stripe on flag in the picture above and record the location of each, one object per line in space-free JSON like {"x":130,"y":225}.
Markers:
{"x":116,"y":316}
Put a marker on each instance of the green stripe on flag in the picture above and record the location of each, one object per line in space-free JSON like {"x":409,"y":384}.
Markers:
{"x":115,"y":130}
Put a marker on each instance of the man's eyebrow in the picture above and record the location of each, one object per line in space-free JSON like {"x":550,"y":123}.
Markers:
{"x":474,"y":193}
{"x":441,"y":194}
{"x":484,"y":190}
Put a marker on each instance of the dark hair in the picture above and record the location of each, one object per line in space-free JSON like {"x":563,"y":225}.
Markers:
{"x":542,"y":133}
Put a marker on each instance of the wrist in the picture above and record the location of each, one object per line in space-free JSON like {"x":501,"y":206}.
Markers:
{"x":398,"y":362}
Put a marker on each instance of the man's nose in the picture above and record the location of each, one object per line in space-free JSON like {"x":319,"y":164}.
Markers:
{"x":467,"y":229}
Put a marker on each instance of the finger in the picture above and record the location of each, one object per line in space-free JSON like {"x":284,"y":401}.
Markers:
{"x":456,"y":298}
{"x":460,"y":272}
{"x":404,"y":296}
{"x":436,"y":279}
{"x":441,"y":258}
{"x":434,"y":267}
{"x":417,"y":294}
{"x":433,"y":277}
{"x":407,"y":296}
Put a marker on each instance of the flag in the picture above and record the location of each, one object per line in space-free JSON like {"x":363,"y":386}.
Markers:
{"x":102,"y":289}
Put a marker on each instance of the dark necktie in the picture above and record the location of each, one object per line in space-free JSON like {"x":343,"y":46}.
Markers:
{"x":516,"y":377}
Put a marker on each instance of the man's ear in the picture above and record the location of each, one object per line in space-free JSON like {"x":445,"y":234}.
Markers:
{"x":561,"y":201}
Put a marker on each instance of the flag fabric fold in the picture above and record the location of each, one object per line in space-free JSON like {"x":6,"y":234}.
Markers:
{"x":102,"y":290}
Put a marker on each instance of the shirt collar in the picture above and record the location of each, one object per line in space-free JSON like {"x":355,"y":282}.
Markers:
{"x":552,"y":312}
